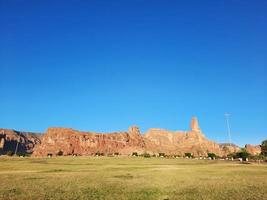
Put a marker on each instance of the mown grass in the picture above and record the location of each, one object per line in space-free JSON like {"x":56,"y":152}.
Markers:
{"x":129,"y":178}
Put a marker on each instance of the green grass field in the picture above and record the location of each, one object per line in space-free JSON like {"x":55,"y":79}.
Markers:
{"x":130,"y":178}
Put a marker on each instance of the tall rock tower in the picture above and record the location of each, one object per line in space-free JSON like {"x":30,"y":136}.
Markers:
{"x":194,"y":125}
{"x":195,"y":129}
{"x":134,"y":130}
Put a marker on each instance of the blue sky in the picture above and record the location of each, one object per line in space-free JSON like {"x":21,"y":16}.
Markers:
{"x":106,"y":65}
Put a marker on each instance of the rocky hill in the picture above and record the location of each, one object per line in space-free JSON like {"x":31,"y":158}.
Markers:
{"x":26,"y":141}
{"x":180,"y":142}
{"x":253,"y":149}
{"x":68,"y":142}
{"x":229,"y":148}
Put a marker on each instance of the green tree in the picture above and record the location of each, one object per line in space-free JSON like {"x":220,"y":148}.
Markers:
{"x":256,"y":157}
{"x":161,"y":154}
{"x":264,"y":148}
{"x":146,"y":155}
{"x":134,"y":154}
{"x":189,"y":155}
{"x":242,"y":154}
{"x":60,"y":153}
{"x":212,"y":155}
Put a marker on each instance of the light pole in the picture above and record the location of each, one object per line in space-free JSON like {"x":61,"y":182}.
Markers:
{"x":227,"y":115}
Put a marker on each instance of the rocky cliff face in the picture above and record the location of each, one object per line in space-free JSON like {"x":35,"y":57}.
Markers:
{"x":228,"y":148}
{"x":26,"y":141}
{"x":68,"y":142}
{"x":253,"y":150}
{"x":180,"y":142}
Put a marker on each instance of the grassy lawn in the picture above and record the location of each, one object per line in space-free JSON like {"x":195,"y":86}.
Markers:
{"x":129,"y":178}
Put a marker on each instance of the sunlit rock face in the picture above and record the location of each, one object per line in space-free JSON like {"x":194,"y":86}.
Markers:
{"x":228,"y":148}
{"x":253,"y":149}
{"x":180,"y":142}
{"x":194,"y":125}
{"x":24,"y":142}
{"x":72,"y":142}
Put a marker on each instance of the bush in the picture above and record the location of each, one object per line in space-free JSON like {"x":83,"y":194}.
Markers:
{"x":231,"y":155}
{"x":161,"y":154}
{"x":23,"y":154}
{"x":212,"y":155}
{"x":256,"y":157}
{"x":242,"y":154}
{"x":10,"y":153}
{"x":134,"y":154}
{"x":99,"y":154}
{"x":146,"y":155}
{"x":60,"y":153}
{"x":189,"y":155}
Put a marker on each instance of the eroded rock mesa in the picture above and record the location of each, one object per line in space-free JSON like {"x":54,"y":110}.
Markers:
{"x":71,"y":142}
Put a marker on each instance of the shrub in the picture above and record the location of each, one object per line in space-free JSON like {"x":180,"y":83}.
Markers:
{"x":99,"y":154}
{"x":23,"y":154}
{"x":10,"y":153}
{"x":242,"y":154}
{"x":231,"y":155}
{"x":256,"y":157}
{"x":134,"y":154}
{"x":161,"y":154}
{"x":146,"y":155}
{"x":60,"y":153}
{"x":212,"y":155}
{"x":189,"y":155}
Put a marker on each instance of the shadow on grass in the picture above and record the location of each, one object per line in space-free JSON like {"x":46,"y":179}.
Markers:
{"x":55,"y":171}
{"x":126,"y":176}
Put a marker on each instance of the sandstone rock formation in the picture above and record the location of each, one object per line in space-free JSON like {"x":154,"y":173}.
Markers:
{"x":180,"y":142}
{"x":194,"y":125}
{"x":26,"y":141}
{"x":71,"y":142}
{"x":253,"y":150}
{"x":228,"y":148}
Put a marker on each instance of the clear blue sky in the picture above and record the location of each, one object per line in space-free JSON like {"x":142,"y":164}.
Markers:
{"x":105,"y":65}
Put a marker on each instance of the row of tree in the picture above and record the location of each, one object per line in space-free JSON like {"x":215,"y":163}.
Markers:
{"x":240,"y":154}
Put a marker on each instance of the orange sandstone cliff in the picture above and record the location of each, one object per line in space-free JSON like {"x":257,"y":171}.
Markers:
{"x":24,"y":142}
{"x":71,"y":142}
